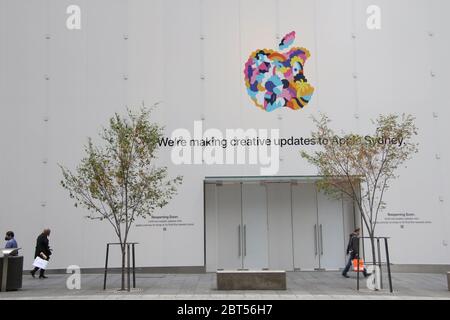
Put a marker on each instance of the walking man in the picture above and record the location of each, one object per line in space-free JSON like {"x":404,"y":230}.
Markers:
{"x":43,"y":251}
{"x":353,"y":252}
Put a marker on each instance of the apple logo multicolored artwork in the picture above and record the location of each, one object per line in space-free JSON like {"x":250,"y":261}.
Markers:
{"x":276,"y":79}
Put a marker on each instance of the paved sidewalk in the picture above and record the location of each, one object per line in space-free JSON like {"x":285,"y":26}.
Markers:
{"x":301,"y":285}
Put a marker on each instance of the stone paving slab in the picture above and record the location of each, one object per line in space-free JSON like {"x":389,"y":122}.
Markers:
{"x":300,"y":285}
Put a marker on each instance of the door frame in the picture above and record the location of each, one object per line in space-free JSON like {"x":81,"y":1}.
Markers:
{"x":261,"y":179}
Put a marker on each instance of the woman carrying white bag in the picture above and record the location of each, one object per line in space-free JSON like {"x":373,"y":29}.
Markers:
{"x":42,"y":254}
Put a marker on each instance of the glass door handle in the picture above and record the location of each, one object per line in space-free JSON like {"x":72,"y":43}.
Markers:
{"x":321,"y":240}
{"x":315,"y":239}
{"x":239,"y":240}
{"x":245,"y":240}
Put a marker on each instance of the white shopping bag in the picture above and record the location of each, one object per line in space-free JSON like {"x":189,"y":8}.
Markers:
{"x":40,"y":263}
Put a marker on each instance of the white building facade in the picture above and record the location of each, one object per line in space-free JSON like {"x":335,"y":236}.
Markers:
{"x":67,"y":66}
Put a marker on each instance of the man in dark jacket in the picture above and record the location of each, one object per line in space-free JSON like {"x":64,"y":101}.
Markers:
{"x":353,"y":252}
{"x":43,"y":251}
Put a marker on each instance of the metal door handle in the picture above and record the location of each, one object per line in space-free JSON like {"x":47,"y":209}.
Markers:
{"x":245,"y":240}
{"x":239,"y":240}
{"x":315,"y":239}
{"x":321,"y":241}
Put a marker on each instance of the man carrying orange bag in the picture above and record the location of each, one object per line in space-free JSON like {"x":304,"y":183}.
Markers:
{"x":353,"y":254}
{"x":361,"y":266}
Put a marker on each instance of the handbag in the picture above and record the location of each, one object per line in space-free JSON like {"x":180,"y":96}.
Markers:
{"x":40,"y":263}
{"x":361,"y":265}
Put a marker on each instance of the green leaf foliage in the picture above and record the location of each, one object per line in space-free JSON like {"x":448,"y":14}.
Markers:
{"x":361,"y":167}
{"x":117,"y":179}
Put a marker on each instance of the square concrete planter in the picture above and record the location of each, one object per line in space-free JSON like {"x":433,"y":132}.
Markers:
{"x":14,"y":274}
{"x":448,"y":280}
{"x":251,"y":280}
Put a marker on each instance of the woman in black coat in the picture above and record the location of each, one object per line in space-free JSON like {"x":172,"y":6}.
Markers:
{"x":42,"y":251}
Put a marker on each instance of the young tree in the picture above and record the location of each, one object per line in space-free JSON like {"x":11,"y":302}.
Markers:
{"x":362,"y":167}
{"x":117,"y":181}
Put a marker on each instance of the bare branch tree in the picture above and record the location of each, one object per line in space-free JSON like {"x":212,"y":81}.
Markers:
{"x":361,"y":167}
{"x":118,"y":181}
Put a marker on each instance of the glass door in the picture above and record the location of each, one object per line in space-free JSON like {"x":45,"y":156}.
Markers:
{"x":229,"y":230}
{"x":254,"y":226}
{"x":305,"y":227}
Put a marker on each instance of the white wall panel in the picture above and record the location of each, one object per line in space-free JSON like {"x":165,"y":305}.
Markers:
{"x":163,"y":59}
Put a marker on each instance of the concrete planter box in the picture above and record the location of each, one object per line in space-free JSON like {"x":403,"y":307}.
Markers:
{"x":15,"y":271}
{"x":448,"y":280}
{"x":251,"y":280}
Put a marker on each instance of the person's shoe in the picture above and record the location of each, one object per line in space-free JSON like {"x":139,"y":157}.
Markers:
{"x":32,"y":274}
{"x":43,"y":277}
{"x":345,"y":276}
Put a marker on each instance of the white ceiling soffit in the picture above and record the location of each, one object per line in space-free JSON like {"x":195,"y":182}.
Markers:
{"x":260,"y":179}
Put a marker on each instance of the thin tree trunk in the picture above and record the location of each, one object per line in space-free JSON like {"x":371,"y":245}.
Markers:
{"x":372,"y":244}
{"x":122,"y":246}
{"x":126,"y":234}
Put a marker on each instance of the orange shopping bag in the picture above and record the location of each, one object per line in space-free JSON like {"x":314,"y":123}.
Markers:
{"x":361,"y":265}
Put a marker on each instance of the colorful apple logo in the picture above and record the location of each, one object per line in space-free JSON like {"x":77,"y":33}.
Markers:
{"x":275,"y":79}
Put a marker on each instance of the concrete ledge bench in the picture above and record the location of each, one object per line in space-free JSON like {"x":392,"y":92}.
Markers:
{"x":251,"y":280}
{"x":448,"y":280}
